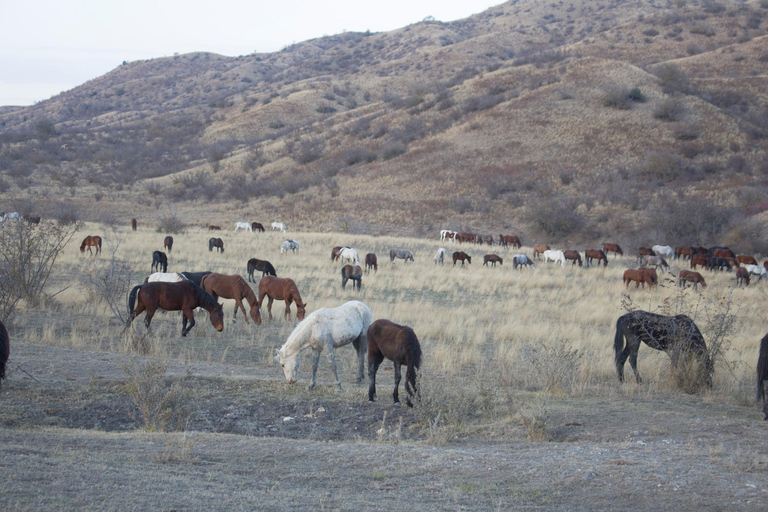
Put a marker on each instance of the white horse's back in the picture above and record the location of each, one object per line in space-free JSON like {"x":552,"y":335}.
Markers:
{"x":556,"y":256}
{"x":279,"y":225}
{"x":166,"y":277}
{"x":348,"y":253}
{"x":664,"y":250}
{"x":243,"y":225}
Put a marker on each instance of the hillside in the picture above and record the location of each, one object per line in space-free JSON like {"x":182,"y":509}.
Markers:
{"x":569,"y":121}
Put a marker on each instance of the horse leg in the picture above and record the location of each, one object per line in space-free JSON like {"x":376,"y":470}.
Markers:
{"x":361,"y":345}
{"x":148,"y":318}
{"x":239,"y":304}
{"x":374,"y":360}
{"x":269,"y":306}
{"x":315,"y":364}
{"x":288,"y":303}
{"x":410,"y":384}
{"x":398,"y":375}
{"x":633,"y":344}
{"x":188,"y":315}
{"x":332,"y":358}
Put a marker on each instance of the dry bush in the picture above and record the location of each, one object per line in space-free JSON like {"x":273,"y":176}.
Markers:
{"x":617,"y":96}
{"x":109,"y":285}
{"x":673,"y":79}
{"x":668,"y":110}
{"x":555,"y":220}
{"x":171,"y":225}
{"x":551,"y":367}
{"x":662,"y":165}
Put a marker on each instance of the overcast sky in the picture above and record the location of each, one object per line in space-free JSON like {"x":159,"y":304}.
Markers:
{"x":49,"y":46}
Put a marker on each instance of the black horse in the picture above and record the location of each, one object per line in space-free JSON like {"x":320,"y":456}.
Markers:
{"x":676,"y":335}
{"x":159,"y":260}
{"x":5,"y":350}
{"x":762,"y":374}
{"x":218,"y":243}
{"x":264,"y":266}
{"x":717,"y":263}
{"x":355,"y":273}
{"x":195,"y":277}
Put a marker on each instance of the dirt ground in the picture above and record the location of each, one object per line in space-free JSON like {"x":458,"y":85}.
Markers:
{"x":69,"y":440}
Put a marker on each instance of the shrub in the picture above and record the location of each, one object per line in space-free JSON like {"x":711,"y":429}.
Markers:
{"x":392,"y":149}
{"x":308,"y":150}
{"x":668,"y":110}
{"x":636,"y":95}
{"x":704,"y":30}
{"x":555,"y":219}
{"x":171,"y":225}
{"x":617,"y":96}
{"x":484,"y":102}
{"x":662,"y":165}
{"x":686,"y":132}
{"x":673,"y":79}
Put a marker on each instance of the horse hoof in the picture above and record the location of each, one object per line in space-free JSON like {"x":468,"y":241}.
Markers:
{"x":398,"y":404}
{"x":310,"y":388}
{"x":234,"y":321}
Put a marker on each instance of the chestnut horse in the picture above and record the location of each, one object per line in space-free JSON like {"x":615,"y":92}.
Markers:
{"x":574,"y":256}
{"x":683,"y":252}
{"x":91,"y":241}
{"x":399,"y":344}
{"x":595,"y":254}
{"x":371,"y":262}
{"x":644,"y":251}
{"x":614,"y":248}
{"x":493,"y":259}
{"x":699,"y":260}
{"x":159,"y":261}
{"x":168,"y":243}
{"x":5,"y":350}
{"x":721,"y":252}
{"x":746,"y":260}
{"x":539,"y":249}
{"x":514,"y":241}
{"x":355,"y":273}
{"x":282,"y":289}
{"x":689,"y":276}
{"x":461,"y":255}
{"x":742,"y":276}
{"x":232,"y":287}
{"x":214,"y":228}
{"x":335,"y":253}
{"x":256,"y":226}
{"x":134,"y":224}
{"x":640,"y":276}
{"x":465,"y":237}
{"x":264,"y":266}
{"x":183,"y":296}
{"x":218,"y":243}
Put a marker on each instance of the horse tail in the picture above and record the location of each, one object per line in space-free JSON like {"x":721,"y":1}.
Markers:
{"x":413,"y":364}
{"x":132,"y":303}
{"x":99,"y":241}
{"x":618,"y":340}
{"x":762,"y":367}
{"x":4,"y":349}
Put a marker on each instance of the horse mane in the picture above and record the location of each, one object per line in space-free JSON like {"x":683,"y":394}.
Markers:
{"x":247,"y":292}
{"x":204,"y":299}
{"x":299,"y":335}
{"x":762,"y":367}
{"x":293,"y":291}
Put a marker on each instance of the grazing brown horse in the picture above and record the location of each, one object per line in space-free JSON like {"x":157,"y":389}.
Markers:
{"x":159,"y":261}
{"x":256,"y":226}
{"x":742,"y":276}
{"x":335,"y":253}
{"x":461,"y":255}
{"x":264,"y":266}
{"x":539,"y":249}
{"x":211,"y":227}
{"x":493,"y":259}
{"x":762,"y":374}
{"x":32,"y":219}
{"x":218,"y":243}
{"x":168,"y":243}
{"x":282,"y":289}
{"x":232,"y":287}
{"x":746,"y":260}
{"x":371,"y":262}
{"x":5,"y":350}
{"x":595,"y":254}
{"x":355,"y":273}
{"x":684,"y":252}
{"x":574,"y":256}
{"x":399,"y":344}
{"x":689,"y":276}
{"x":465,"y":237}
{"x":644,"y":251}
{"x":614,"y":248}
{"x":721,"y":252}
{"x":640,"y":276}
{"x":701,"y":250}
{"x":91,"y":241}
{"x":134,"y":224}
{"x":699,"y":260}
{"x":514,"y":241}
{"x":182,"y":296}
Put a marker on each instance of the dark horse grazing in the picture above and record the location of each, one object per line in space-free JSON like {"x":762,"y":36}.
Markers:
{"x":5,"y":350}
{"x":183,"y":296}
{"x":574,"y":256}
{"x":355,"y":273}
{"x":195,"y":277}
{"x":256,"y":226}
{"x":614,"y":248}
{"x":461,"y":255}
{"x":134,"y":224}
{"x":676,"y":335}
{"x":168,"y":243}
{"x":595,"y":254}
{"x":233,"y":287}
{"x":371,"y":262}
{"x":264,"y":266}
{"x":399,"y":344}
{"x":700,"y":260}
{"x":159,"y":260}
{"x":214,"y":228}
{"x":91,"y":241}
{"x":493,"y":259}
{"x":282,"y":289}
{"x":218,"y":243}
{"x":742,"y":276}
{"x":762,"y":374}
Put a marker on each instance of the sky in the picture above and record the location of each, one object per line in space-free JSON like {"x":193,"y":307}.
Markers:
{"x":50,"y":46}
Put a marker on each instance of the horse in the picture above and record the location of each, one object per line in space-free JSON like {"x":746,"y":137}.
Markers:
{"x":539,"y":249}
{"x":218,"y":243}
{"x":439,"y":256}
{"x":355,"y":273}
{"x":32,"y":219}
{"x":746,"y":260}
{"x":91,"y":241}
{"x":493,"y":259}
{"x":461,"y":255}
{"x":264,"y":266}
{"x":165,"y":277}
{"x":447,"y":233}
{"x":184,"y":296}
{"x":614,"y":248}
{"x":282,"y":289}
{"x":595,"y":254}
{"x":664,"y":251}
{"x":371,"y":262}
{"x":211,"y":227}
{"x":639,"y":276}
{"x":232,"y":287}
{"x":10,"y":216}
{"x":656,"y":261}
{"x":699,"y":260}
{"x":688,"y":276}
{"x":335,"y":252}
{"x":195,"y":277}
{"x":329,"y":328}
{"x":742,"y":276}
{"x":684,"y":252}
{"x":512,"y":240}
{"x":701,"y":250}
{"x":399,"y":344}
{"x":289,"y":245}
{"x":762,"y":374}
{"x":168,"y":243}
{"x":243,"y":225}
{"x":556,"y":256}
{"x":574,"y":256}
{"x":159,"y":261}
{"x":521,"y":260}
{"x":676,"y":335}
{"x":279,"y":226}
{"x":350,"y":255}
{"x":465,"y":237}
{"x":134,"y":224}
{"x":721,"y":252}
{"x":644,"y":251}
{"x":718,"y":263}
{"x":5,"y":350}
{"x":257,"y":226}
{"x":757,"y":270}
{"x":403,"y":254}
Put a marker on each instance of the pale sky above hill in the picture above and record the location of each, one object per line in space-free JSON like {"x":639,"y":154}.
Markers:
{"x":49,"y":46}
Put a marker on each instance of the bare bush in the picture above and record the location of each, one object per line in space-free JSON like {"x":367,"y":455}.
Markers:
{"x":171,"y":225}
{"x":662,"y":165}
{"x":555,"y":219}
{"x":673,"y":79}
{"x":617,"y":96}
{"x":668,"y":110}
{"x":109,"y":285}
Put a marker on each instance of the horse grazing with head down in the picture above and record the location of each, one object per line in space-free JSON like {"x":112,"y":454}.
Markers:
{"x":595,"y":254}
{"x":243,"y":225}
{"x":689,"y":276}
{"x":211,"y":227}
{"x":439,"y":256}
{"x":699,"y":260}
{"x":371,"y":262}
{"x":399,"y":344}
{"x":664,"y":251}
{"x":5,"y":350}
{"x":461,"y":256}
{"x":684,"y":252}
{"x":573,"y":256}
{"x":257,"y":226}
{"x":512,"y":240}
{"x":762,"y":374}
{"x":403,"y":254}
{"x":521,"y":260}
{"x":233,"y":287}
{"x":335,"y":252}
{"x":757,"y":270}
{"x":168,"y":243}
{"x":159,"y":261}
{"x":555,"y":256}
{"x":327,"y":328}
{"x":746,"y":260}
{"x":353,"y":272}
{"x":288,"y":246}
{"x":742,"y":276}
{"x":539,"y":249}
{"x":493,"y":259}
{"x":195,"y":277}
{"x":264,"y":266}
{"x":349,"y":255}
{"x":282,"y":289}
{"x":91,"y":241}
{"x":655,"y":261}
{"x":134,"y":224}
{"x":614,"y":248}
{"x":279,"y":226}
{"x":640,"y":276}
{"x":218,"y":243}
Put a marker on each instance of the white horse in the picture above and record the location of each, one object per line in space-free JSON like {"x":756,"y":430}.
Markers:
{"x":243,"y":225}
{"x":289,"y":245}
{"x":327,"y":328}
{"x":166,"y":277}
{"x":348,"y":253}
{"x":664,"y":251}
{"x":440,"y":256}
{"x":757,"y":270}
{"x":556,"y":256}
{"x":520,"y":260}
{"x":279,"y":226}
{"x":13,"y":215}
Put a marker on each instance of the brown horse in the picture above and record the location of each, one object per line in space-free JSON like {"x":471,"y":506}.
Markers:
{"x":91,"y":241}
{"x":264,"y":266}
{"x":182,"y":296}
{"x":465,"y":237}
{"x":282,"y":289}
{"x":232,"y":287}
{"x":134,"y":224}
{"x":256,"y":226}
{"x":514,"y":241}
{"x":689,"y":276}
{"x":32,"y":219}
{"x":218,"y":243}
{"x":168,"y":243}
{"x":5,"y":350}
{"x":701,"y":250}
{"x":159,"y":261}
{"x":746,"y":260}
{"x":644,"y":251}
{"x":596,"y":254}
{"x":211,"y":227}
{"x":335,"y":253}
{"x":539,"y":249}
{"x":699,"y":260}
{"x":355,"y":273}
{"x":614,"y":248}
{"x":742,"y":276}
{"x":399,"y":344}
{"x":684,"y":252}
{"x":493,"y":259}
{"x":639,"y":276}
{"x":371,"y":262}
{"x":574,"y":256}
{"x":461,"y":255}
{"x":722,"y":252}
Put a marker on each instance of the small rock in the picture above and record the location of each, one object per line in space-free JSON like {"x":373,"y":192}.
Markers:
{"x":288,"y":418}
{"x":589,"y":476}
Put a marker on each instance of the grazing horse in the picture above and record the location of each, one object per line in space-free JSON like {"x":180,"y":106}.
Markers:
{"x":257,"y":226}
{"x":211,"y":227}
{"x":640,"y":276}
{"x":644,"y":251}
{"x":9,"y":216}
{"x":399,"y":344}
{"x":746,"y":260}
{"x":439,"y":256}
{"x":91,"y":241}
{"x":168,"y":243}
{"x":676,"y":335}
{"x":195,"y":277}
{"x":493,"y":259}
{"x":353,"y":272}
{"x":218,"y":243}
{"x":159,"y":261}
{"x":134,"y":224}
{"x":757,"y":270}
{"x":327,"y":328}
{"x":461,"y":255}
{"x":699,"y":260}
{"x":742,"y":276}
{"x":279,"y":226}
{"x":447,"y":234}
{"x":264,"y":266}
{"x":465,"y":237}
{"x":403,"y":254}
{"x":574,"y":256}
{"x":512,"y":240}
{"x":689,"y":276}
{"x":165,"y":277}
{"x":614,"y":248}
{"x":348,"y":254}
{"x":656,"y":261}
{"x":664,"y":251}
{"x":521,"y":260}
{"x":233,"y":287}
{"x":243,"y":225}
{"x":32,"y":219}
{"x":539,"y":249}
{"x":289,"y":245}
{"x":595,"y":254}
{"x":371,"y":262}
{"x":183,"y":296}
{"x":701,"y":250}
{"x":762,"y":374}
{"x":721,"y":252}
{"x":335,"y":252}
{"x":5,"y":350}
{"x":555,"y":256}
{"x":718,"y":263}
{"x":684,"y":252}
{"x":282,"y":289}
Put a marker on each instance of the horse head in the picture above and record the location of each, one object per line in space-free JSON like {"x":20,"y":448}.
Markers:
{"x":301,"y":310}
{"x":290,"y":365}
{"x":217,"y":317}
{"x":256,"y":314}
